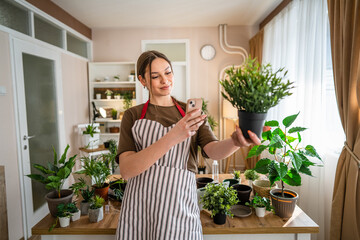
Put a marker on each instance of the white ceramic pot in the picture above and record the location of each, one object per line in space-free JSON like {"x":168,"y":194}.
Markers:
{"x":91,"y":142}
{"x":64,"y":221}
{"x":76,"y":216}
{"x":108,"y":97}
{"x":96,"y":215}
{"x":98,"y":96}
{"x":260,"y":212}
{"x":117,"y":97}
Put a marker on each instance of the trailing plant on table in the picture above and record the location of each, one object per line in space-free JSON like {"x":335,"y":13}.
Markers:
{"x":54,"y":174}
{"x":260,"y":202}
{"x":218,"y":199}
{"x":289,"y":158}
{"x":255,"y":88}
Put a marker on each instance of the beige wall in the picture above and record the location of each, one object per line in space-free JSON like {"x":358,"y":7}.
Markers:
{"x":75,"y":95}
{"x":125,"y":45}
{"x":8,"y":140}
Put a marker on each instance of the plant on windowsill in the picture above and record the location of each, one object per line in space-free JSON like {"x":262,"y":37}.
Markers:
{"x":99,"y":172}
{"x":253,"y":89}
{"x":54,"y":175}
{"x":96,"y":211}
{"x":261,"y":204}
{"x":289,"y":159}
{"x":218,"y":199}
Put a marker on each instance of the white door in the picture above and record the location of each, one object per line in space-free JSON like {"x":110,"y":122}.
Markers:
{"x":40,"y":123}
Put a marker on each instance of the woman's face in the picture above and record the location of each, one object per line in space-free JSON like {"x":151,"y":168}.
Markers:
{"x":161,"y":77}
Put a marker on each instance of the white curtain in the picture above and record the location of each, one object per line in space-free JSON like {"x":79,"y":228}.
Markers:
{"x":298,"y":39}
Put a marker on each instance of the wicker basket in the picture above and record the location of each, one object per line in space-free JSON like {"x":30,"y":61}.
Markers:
{"x":262,"y":188}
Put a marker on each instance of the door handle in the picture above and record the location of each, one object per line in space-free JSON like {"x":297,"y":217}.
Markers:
{"x":28,"y":137}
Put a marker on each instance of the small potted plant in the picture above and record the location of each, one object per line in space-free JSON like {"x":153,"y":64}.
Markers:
{"x":117,"y":95}
{"x":87,"y":195}
{"x":75,"y":212}
{"x":108,"y":93}
{"x":99,"y":172}
{"x":289,"y":160}
{"x":117,"y":78}
{"x":53,"y":176}
{"x":218,"y":199}
{"x":63,"y":214}
{"x":261,"y":204}
{"x":96,"y":211}
{"x":91,"y":137}
{"x":253,"y":89}
{"x":251,"y":176}
{"x":114,"y":114}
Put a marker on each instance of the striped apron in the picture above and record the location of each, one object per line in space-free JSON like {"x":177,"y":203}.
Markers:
{"x":160,"y":203}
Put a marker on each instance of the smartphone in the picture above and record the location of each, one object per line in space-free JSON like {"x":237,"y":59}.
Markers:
{"x":194,"y":103}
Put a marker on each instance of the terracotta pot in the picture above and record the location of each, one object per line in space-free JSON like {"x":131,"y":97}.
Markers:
{"x":53,"y":200}
{"x":283,"y":206}
{"x":114,"y":129}
{"x":102,"y":192}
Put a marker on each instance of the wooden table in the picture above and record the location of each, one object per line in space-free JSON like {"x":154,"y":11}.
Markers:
{"x":298,"y":227}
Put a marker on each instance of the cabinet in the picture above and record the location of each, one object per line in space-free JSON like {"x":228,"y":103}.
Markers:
{"x":120,"y":79}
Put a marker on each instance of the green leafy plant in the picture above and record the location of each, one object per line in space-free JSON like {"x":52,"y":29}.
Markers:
{"x":72,"y":207}
{"x":213,"y":124}
{"x":218,"y":199}
{"x":109,"y":158}
{"x":90,"y":129}
{"x":290,"y":159}
{"x":114,"y":113}
{"x":63,"y":210}
{"x":77,"y":187}
{"x":108,"y":92}
{"x":237,"y":174}
{"x":87,"y":194}
{"x":54,"y":174}
{"x":97,"y":202}
{"x":255,"y":88}
{"x":260,"y":202}
{"x":97,"y":169}
{"x":251,"y":175}
{"x":127,"y":100}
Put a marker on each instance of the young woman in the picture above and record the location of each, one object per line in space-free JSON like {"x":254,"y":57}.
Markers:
{"x":157,"y":154}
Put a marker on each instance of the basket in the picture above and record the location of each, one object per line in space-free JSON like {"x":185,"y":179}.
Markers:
{"x":262,"y":188}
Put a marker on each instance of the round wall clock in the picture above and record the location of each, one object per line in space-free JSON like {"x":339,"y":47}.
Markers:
{"x":207,"y":52}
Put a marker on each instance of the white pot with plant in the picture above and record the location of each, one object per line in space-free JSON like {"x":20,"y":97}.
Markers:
{"x":117,"y":96}
{"x":253,"y":89}
{"x":63,"y":216}
{"x":251,"y":176}
{"x":288,"y":160}
{"x":117,"y":78}
{"x":96,"y":212}
{"x":260,"y":204}
{"x":108,"y":93}
{"x":91,"y":137}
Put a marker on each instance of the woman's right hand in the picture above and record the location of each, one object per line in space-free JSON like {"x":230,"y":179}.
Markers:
{"x":187,"y":126}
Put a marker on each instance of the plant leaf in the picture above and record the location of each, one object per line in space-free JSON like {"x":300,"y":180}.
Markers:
{"x":37,"y":177}
{"x":42,"y":169}
{"x":262,"y":166}
{"x":64,"y":173}
{"x":54,"y":178}
{"x":272,"y":123}
{"x":296,"y":160}
{"x":296,"y":129}
{"x":310,"y":151}
{"x":63,"y":156}
{"x":252,"y":151}
{"x":266,"y":135}
{"x":290,"y":139}
{"x":304,"y":169}
{"x":55,"y":156}
{"x":292,"y":178}
{"x":299,"y":137}
{"x":289,"y":120}
{"x":276,"y":142}
{"x":281,"y":169}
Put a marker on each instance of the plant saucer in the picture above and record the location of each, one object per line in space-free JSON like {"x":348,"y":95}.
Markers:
{"x":240,"y":211}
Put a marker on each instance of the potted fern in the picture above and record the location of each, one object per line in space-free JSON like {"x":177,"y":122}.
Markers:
{"x":289,"y":160}
{"x":53,"y":176}
{"x":253,"y":89}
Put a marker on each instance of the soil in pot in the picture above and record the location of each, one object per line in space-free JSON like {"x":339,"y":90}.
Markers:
{"x":283,"y":206}
{"x":53,"y":200}
{"x":203,"y":181}
{"x":220,"y":219}
{"x":243,"y":192}
{"x":102,"y":192}
{"x":251,"y":121}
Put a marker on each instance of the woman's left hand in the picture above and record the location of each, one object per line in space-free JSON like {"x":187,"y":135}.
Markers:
{"x":240,"y":141}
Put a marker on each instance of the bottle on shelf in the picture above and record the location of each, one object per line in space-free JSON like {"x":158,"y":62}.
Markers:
{"x":215,"y":171}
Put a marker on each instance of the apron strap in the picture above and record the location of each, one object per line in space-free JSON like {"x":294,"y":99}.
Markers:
{"x":143,"y":111}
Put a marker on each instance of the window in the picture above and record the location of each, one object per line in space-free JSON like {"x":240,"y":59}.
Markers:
{"x":14,"y":16}
{"x":77,"y":46}
{"x":47,"y":32}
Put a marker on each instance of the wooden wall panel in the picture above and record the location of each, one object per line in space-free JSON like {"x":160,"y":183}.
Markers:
{"x":4,"y":234}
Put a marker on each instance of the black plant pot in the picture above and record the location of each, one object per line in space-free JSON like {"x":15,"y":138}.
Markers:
{"x":220,"y":218}
{"x":243,"y":192}
{"x":251,"y":121}
{"x":201,"y":170}
{"x":106,"y":144}
{"x":203,"y":181}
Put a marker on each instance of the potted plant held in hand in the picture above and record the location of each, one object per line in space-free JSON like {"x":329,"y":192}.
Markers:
{"x":99,"y":172}
{"x":96,"y":211}
{"x":253,"y":89}
{"x":289,"y":160}
{"x":218,"y":199}
{"x":53,"y":175}
{"x":261,"y":204}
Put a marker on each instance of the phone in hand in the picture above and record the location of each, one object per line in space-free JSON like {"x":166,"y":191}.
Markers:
{"x":194,"y":103}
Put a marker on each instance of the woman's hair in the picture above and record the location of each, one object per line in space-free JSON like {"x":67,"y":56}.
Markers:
{"x":146,"y":59}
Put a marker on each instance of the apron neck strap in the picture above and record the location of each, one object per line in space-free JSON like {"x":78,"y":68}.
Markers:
{"x":143,"y":112}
